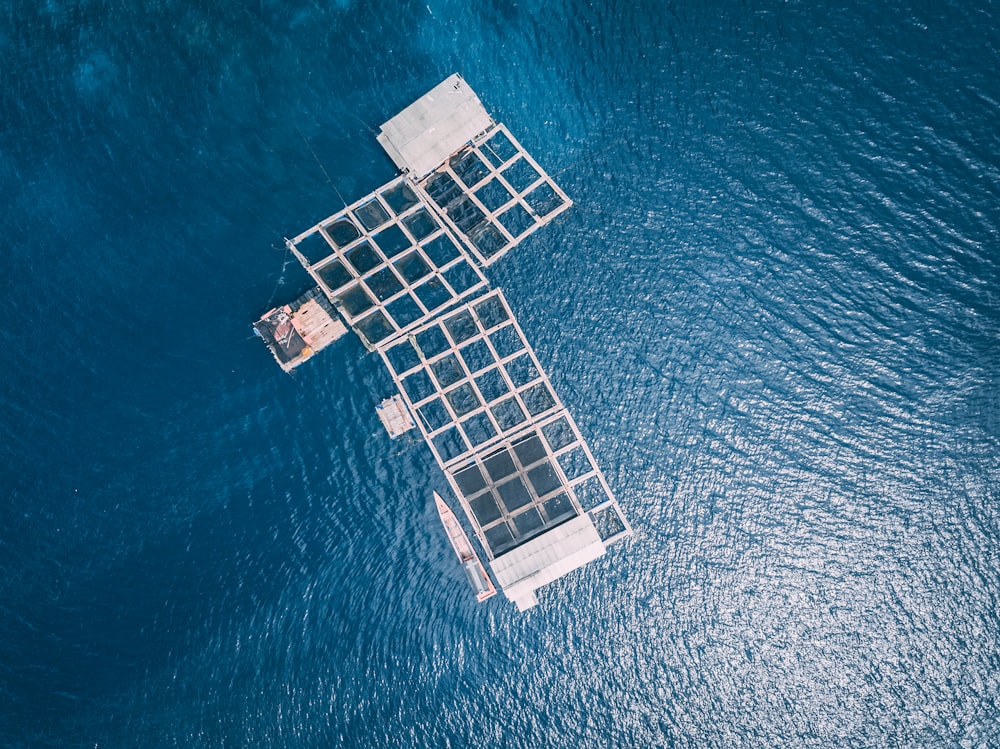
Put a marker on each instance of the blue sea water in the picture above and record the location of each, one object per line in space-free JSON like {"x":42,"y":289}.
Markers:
{"x":774,"y":310}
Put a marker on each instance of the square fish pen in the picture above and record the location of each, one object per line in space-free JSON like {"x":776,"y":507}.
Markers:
{"x":485,"y":185}
{"x":388,"y":262}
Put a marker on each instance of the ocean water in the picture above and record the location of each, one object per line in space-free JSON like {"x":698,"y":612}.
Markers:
{"x":774,"y":310}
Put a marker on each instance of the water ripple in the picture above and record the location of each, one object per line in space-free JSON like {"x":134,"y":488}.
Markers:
{"x":773,"y":311}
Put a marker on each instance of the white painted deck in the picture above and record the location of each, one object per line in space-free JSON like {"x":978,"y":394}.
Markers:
{"x":426,"y":133}
{"x":546,"y":558}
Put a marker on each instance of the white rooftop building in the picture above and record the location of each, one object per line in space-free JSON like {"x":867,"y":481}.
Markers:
{"x":422,"y":137}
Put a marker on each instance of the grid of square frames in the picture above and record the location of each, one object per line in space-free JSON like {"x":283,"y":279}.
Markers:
{"x":470,"y":378}
{"x":388,"y":263}
{"x":493,"y":194}
{"x":509,"y":447}
{"x":518,"y":489}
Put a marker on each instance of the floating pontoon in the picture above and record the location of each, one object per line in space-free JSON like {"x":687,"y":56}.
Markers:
{"x":296,"y":331}
{"x":395,"y":416}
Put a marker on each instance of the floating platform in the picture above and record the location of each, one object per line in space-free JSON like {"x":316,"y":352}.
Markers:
{"x":395,"y":416}
{"x":404,"y":268}
{"x":296,"y":331}
{"x":439,"y":123}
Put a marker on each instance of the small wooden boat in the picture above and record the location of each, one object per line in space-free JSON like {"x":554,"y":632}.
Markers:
{"x":474,"y":570}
